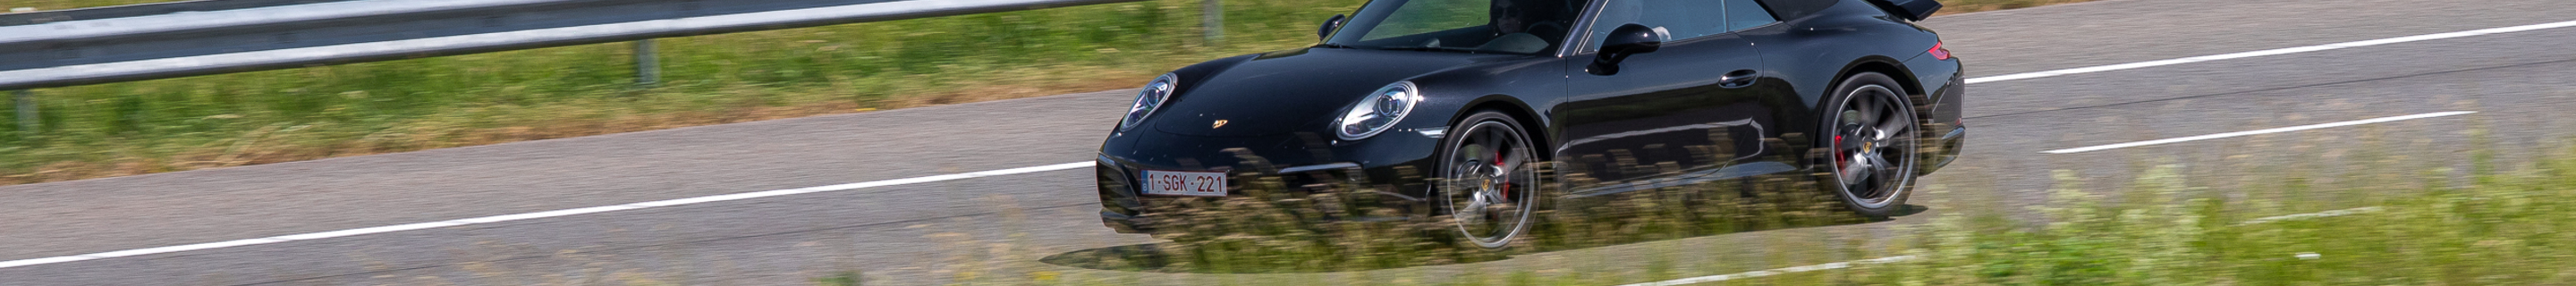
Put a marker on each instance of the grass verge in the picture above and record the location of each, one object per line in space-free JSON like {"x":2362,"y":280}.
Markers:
{"x":303,"y":114}
{"x":2496,"y":229}
{"x":2361,"y":226}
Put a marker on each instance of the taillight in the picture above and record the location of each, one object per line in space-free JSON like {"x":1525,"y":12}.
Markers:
{"x":1940,"y":53}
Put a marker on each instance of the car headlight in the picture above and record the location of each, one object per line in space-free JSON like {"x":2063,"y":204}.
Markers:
{"x":1150,"y":99}
{"x":1377,"y":112}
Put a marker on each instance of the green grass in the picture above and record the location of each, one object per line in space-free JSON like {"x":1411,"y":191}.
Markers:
{"x":301,"y":114}
{"x":2166,"y":226}
{"x":2345,"y":216}
{"x":311,"y":113}
{"x":2501,"y":229}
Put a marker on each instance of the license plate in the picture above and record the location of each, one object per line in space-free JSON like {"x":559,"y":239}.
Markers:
{"x":1196,"y":184}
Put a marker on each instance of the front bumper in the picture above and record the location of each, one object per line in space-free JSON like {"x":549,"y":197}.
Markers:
{"x":1385,"y":170}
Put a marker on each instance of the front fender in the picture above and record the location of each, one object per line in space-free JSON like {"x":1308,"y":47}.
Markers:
{"x":1523,"y":88}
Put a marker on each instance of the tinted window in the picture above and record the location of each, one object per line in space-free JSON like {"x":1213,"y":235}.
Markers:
{"x":1425,"y":16}
{"x":1745,"y":14}
{"x":1477,"y":26}
{"x":1684,"y":19}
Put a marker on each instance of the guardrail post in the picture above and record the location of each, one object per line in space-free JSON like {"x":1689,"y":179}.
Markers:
{"x":27,"y":120}
{"x":1212,"y":19}
{"x":648,"y":63}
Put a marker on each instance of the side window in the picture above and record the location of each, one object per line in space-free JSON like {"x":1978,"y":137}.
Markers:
{"x":1745,"y":14}
{"x":1684,"y":19}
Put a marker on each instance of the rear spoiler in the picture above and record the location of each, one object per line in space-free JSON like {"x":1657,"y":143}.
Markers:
{"x":1911,"y":10}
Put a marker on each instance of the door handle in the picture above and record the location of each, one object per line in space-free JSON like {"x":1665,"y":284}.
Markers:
{"x":1740,"y":78}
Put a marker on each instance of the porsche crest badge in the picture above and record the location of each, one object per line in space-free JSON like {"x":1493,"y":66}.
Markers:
{"x":1220,"y":123}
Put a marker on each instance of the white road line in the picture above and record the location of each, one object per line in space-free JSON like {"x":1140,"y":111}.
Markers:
{"x":1827,"y":266}
{"x":2324,"y":214}
{"x":2264,"y":131}
{"x":2271,"y":52}
{"x":538,"y":215}
{"x":1068,"y":166}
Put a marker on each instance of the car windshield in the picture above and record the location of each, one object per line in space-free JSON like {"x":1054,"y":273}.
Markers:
{"x":1474,"y":26}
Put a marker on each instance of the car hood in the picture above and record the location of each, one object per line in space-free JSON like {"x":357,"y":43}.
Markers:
{"x":1294,"y":90}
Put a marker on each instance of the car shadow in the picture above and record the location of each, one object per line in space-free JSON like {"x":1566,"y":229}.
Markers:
{"x":1163,"y":257}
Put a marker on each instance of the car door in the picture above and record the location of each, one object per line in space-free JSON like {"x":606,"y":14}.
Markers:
{"x":1672,"y":113}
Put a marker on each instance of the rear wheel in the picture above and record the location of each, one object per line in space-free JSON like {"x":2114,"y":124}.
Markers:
{"x":1487,"y":187}
{"x":1871,"y":140}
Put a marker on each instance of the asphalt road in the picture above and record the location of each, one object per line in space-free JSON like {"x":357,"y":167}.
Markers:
{"x":985,"y":227}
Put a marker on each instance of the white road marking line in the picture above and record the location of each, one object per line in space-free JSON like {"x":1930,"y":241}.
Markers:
{"x":2271,"y":52}
{"x":42,"y":261}
{"x":2324,"y":214}
{"x":2264,"y":131}
{"x":1068,"y":166}
{"x":1761,"y":273}
{"x":538,"y":215}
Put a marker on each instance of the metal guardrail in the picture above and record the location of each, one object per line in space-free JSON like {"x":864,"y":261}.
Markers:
{"x":199,"y":43}
{"x":265,"y":35}
{"x":146,"y":9}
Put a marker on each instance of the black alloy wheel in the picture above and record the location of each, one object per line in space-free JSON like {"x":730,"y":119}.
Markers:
{"x":1872,"y":138}
{"x":1487,"y":185}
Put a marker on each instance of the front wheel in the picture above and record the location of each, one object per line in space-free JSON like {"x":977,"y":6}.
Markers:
{"x":1871,"y":133}
{"x":1487,"y":186}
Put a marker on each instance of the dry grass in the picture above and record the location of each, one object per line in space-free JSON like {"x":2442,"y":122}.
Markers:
{"x":304,"y":114}
{"x":372,"y":108}
{"x":68,"y":4}
{"x":286,"y":142}
{"x":1972,"y":6}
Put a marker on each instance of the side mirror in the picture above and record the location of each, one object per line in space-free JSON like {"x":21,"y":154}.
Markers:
{"x":1911,"y":10}
{"x":1330,"y":25}
{"x":1627,"y":40}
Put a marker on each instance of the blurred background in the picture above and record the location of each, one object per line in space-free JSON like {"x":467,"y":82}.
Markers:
{"x":2475,"y":199}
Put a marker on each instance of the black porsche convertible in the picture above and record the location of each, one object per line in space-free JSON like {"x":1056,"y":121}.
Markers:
{"x":1626,"y":94}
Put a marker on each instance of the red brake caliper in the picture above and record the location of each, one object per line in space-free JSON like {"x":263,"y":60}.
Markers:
{"x":1838,"y":153}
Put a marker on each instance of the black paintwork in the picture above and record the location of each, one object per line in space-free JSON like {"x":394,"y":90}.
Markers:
{"x":1707,"y":106}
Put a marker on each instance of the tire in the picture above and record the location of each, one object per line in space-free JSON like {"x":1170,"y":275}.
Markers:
{"x":1872,"y":144}
{"x":1489,"y":188}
